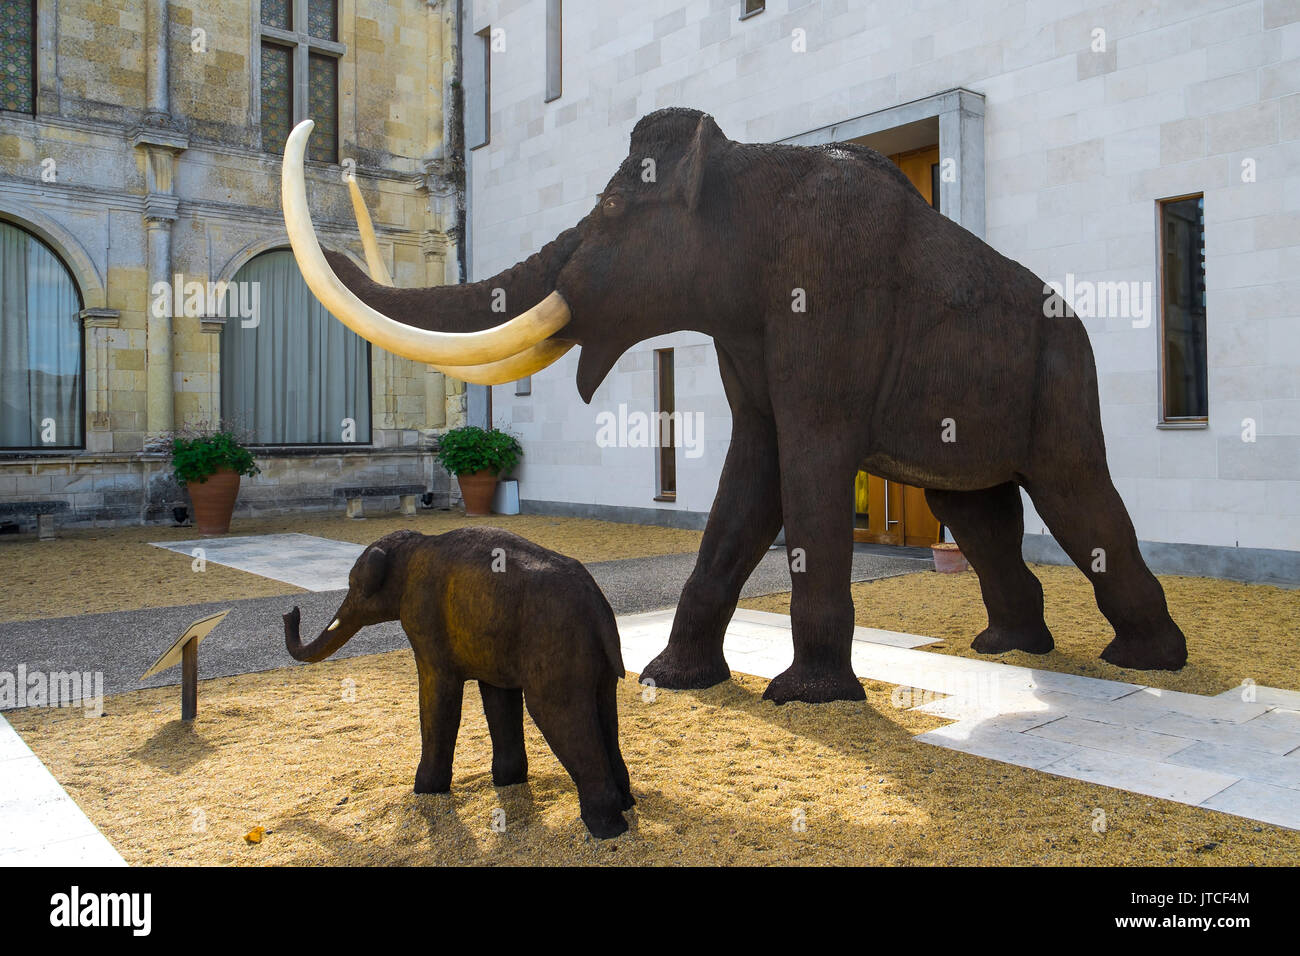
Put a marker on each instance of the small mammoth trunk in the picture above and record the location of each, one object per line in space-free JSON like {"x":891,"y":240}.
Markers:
{"x":329,"y":641}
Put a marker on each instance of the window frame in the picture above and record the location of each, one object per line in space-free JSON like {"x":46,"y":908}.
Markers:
{"x":662,"y":451}
{"x":301,"y":46}
{"x":746,"y":11}
{"x":35,"y":51}
{"x":81,"y":340}
{"x":368,"y":445}
{"x":1164,"y":420}
{"x":554,"y":51}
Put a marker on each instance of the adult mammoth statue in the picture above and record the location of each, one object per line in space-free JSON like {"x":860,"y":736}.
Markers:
{"x":732,"y":240}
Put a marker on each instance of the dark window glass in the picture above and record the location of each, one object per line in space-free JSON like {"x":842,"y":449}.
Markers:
{"x":1182,"y":224}
{"x":666,"y":424}
{"x":278,"y":13}
{"x":323,"y":107}
{"x":18,"y":56}
{"x":753,"y":6}
{"x":322,"y":19}
{"x":277,"y":96}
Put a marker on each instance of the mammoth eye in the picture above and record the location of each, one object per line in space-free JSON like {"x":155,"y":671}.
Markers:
{"x":612,"y":205}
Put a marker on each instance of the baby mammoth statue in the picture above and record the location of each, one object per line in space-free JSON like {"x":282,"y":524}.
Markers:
{"x":530,"y":625}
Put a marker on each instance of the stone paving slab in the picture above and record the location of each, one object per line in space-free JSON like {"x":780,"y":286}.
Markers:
{"x":304,"y":560}
{"x":40,"y":825}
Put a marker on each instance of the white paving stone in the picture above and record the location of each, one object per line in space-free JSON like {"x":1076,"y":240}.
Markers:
{"x":1259,"y":801}
{"x":1141,"y":775}
{"x":1249,"y":735}
{"x":1099,"y":736}
{"x":303,"y":560}
{"x":1274,"y":696}
{"x":1247,"y":764}
{"x":1005,"y":746}
{"x":40,"y":825}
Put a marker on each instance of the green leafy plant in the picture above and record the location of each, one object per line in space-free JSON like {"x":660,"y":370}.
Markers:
{"x":468,"y":449}
{"x":200,"y":456}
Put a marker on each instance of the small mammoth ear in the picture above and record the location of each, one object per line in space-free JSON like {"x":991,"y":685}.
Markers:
{"x":695,"y":163}
{"x":369,"y":571}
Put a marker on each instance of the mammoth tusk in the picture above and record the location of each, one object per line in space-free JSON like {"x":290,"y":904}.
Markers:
{"x":375,"y":261}
{"x":334,"y":625}
{"x":525,"y":363}
{"x":520,"y":365}
{"x":435,"y":348}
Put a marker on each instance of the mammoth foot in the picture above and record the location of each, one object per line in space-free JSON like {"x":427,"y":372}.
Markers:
{"x":674,"y":670}
{"x":813,"y":686}
{"x":1166,"y":651}
{"x":432,"y":783}
{"x":603,"y":826}
{"x":1000,"y":639}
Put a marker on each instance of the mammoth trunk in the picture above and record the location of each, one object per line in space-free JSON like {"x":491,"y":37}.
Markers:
{"x":330,"y":640}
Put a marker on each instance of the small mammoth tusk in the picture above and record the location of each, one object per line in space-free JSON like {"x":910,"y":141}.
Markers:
{"x":334,"y":625}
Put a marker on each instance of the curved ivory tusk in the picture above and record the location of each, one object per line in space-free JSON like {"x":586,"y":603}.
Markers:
{"x":521,"y":365}
{"x":436,"y":348}
{"x":374,"y":260}
{"x":528,"y":362}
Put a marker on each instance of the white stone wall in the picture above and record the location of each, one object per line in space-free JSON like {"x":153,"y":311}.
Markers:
{"x":1079,"y":145}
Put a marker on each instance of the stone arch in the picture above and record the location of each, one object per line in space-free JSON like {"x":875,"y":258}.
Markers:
{"x":87,"y":276}
{"x":255,"y":248}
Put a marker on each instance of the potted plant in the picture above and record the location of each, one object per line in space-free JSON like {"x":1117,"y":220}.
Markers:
{"x":209,"y":464}
{"x":477,"y":457}
{"x":948,"y":558}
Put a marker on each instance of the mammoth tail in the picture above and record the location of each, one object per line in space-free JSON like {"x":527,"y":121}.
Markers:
{"x":607,"y":626}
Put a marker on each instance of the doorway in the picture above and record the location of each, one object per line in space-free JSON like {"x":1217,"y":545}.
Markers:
{"x":888,"y":512}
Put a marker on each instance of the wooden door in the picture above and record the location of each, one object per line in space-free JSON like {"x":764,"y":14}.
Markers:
{"x":889,"y":512}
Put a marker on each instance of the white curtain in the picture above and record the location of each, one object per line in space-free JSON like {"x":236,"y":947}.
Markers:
{"x":294,"y":377}
{"x":40,"y":346}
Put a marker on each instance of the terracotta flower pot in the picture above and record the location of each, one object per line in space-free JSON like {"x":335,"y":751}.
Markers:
{"x":214,"y":501}
{"x":948,"y":558}
{"x":477,"y":489}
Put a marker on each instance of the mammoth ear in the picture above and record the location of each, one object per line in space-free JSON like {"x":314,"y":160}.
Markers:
{"x":370,"y":570}
{"x":694,"y":164}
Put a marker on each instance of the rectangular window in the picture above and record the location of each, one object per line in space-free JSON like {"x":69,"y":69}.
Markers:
{"x":478,"y":89}
{"x":554,"y":50}
{"x":18,"y":56}
{"x":666,"y":426}
{"x":323,"y":107}
{"x":300,"y":74}
{"x":1183,"y":364}
{"x":751,"y":7}
{"x":277,"y":96}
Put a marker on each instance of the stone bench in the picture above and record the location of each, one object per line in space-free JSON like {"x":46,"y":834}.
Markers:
{"x":43,"y":510}
{"x":355,"y":495}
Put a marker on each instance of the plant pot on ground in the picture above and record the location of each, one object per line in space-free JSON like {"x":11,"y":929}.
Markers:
{"x":948,"y":558}
{"x":209,"y":466}
{"x":477,"y":457}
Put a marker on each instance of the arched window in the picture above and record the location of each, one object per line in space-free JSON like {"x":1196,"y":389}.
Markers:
{"x":293,"y":374}
{"x":41,"y":354}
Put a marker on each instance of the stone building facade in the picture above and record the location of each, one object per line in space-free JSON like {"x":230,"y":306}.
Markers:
{"x":146,"y":152}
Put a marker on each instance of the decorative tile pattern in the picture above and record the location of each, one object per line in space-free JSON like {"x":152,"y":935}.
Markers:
{"x":17,"y":56}
{"x":322,"y":19}
{"x":277,"y":96}
{"x":323,"y":107}
{"x":277,"y":13}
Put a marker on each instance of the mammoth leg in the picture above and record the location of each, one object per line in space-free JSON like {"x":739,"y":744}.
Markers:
{"x":440,"y":698}
{"x":607,"y":712}
{"x":571,"y":725}
{"x":504,"y":709}
{"x":744,"y":521}
{"x":990,"y":526}
{"x":818,"y":506}
{"x":1089,"y":520}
